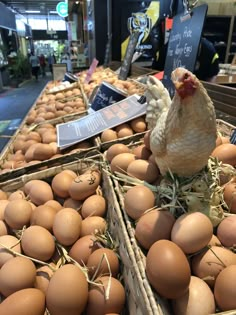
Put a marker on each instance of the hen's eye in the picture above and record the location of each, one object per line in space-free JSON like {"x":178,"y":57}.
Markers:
{"x":186,"y":76}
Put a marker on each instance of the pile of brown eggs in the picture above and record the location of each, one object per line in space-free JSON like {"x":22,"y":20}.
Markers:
{"x":34,"y":146}
{"x":187,"y":258}
{"x":50,"y":256}
{"x":51,"y":106}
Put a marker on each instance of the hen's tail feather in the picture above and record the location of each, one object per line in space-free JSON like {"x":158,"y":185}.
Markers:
{"x":158,"y":100}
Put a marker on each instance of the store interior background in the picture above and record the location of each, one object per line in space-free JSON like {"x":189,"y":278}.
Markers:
{"x":92,"y":29}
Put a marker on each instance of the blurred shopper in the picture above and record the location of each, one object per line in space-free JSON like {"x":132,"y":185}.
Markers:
{"x":51,"y":61}
{"x":42,"y":62}
{"x":66,"y":59}
{"x":35,"y":65}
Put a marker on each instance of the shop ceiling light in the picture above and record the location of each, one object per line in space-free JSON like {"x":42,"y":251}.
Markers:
{"x":53,"y":12}
{"x":32,"y":11}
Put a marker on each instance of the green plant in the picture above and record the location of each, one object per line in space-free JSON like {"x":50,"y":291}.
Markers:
{"x":20,"y":67}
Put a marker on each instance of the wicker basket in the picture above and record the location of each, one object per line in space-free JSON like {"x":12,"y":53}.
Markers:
{"x":157,"y":304}
{"x":66,"y":158}
{"x":129,"y":140}
{"x":70,"y":87}
{"x":224,"y":128}
{"x":137,"y":297}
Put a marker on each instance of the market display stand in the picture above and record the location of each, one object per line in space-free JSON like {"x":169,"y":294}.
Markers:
{"x":223,"y":97}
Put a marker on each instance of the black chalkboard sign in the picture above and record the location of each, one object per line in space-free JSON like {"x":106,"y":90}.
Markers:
{"x":126,"y":64}
{"x":184,"y":43}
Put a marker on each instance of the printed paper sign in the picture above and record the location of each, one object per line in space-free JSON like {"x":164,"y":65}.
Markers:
{"x":86,"y":127}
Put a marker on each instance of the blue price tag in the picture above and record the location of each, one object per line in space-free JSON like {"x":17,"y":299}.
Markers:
{"x":233,"y":137}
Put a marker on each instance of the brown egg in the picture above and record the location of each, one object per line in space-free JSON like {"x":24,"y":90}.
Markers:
{"x":198,"y":300}
{"x":208,"y":264}
{"x":94,"y":205}
{"x":17,"y":214}
{"x":116,"y":149}
{"x":18,"y":145}
{"x":121,"y":162}
{"x":8,"y":241}
{"x":214,"y":241}
{"x":108,"y":135}
{"x":124,"y":130}
{"x":143,"y":170}
{"x":43,"y":276}
{"x":49,"y":136}
{"x":49,"y":115}
{"x":137,"y":200}
{"x":67,"y":226}
{"x":138,"y":124}
{"x":141,"y":152}
{"x":3,"y":195}
{"x":61,"y":184}
{"x":102,"y":262}
{"x":192,"y":232}
{"x":3,"y":228}
{"x":83,"y":248}
{"x":39,"y":191}
{"x":43,"y":152}
{"x":92,"y":224}
{"x":230,"y":196}
{"x":29,"y":154}
{"x":97,"y":304}
{"x":22,"y":301}
{"x":67,"y":292}
{"x":226,"y":231}
{"x":154,"y":226}
{"x":54,"y":204}
{"x":74,"y":204}
{"x":226,"y":153}
{"x":3,"y":204}
{"x":225,"y":291}
{"x":59,"y":96}
{"x":38,"y":243}
{"x":33,"y":135}
{"x":16,"y":195}
{"x":43,"y":216}
{"x":16,"y":274}
{"x":168,"y":269}
{"x":27,"y":144}
{"x":85,"y":185}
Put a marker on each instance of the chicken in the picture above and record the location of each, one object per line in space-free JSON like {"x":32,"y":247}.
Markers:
{"x":183,"y":130}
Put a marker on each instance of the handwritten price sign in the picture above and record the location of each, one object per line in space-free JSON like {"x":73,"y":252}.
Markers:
{"x":183,"y":43}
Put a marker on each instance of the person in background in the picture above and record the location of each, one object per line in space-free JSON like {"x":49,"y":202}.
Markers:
{"x":51,"y":61}
{"x":34,"y":62}
{"x":207,"y":63}
{"x":66,"y":59}
{"x":42,"y":62}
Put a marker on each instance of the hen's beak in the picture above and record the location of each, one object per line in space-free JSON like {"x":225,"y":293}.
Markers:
{"x":178,"y":84}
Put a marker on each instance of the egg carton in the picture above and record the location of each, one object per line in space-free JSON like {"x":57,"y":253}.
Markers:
{"x":137,"y":298}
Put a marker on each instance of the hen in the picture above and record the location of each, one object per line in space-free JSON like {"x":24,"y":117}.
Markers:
{"x":183,"y":130}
